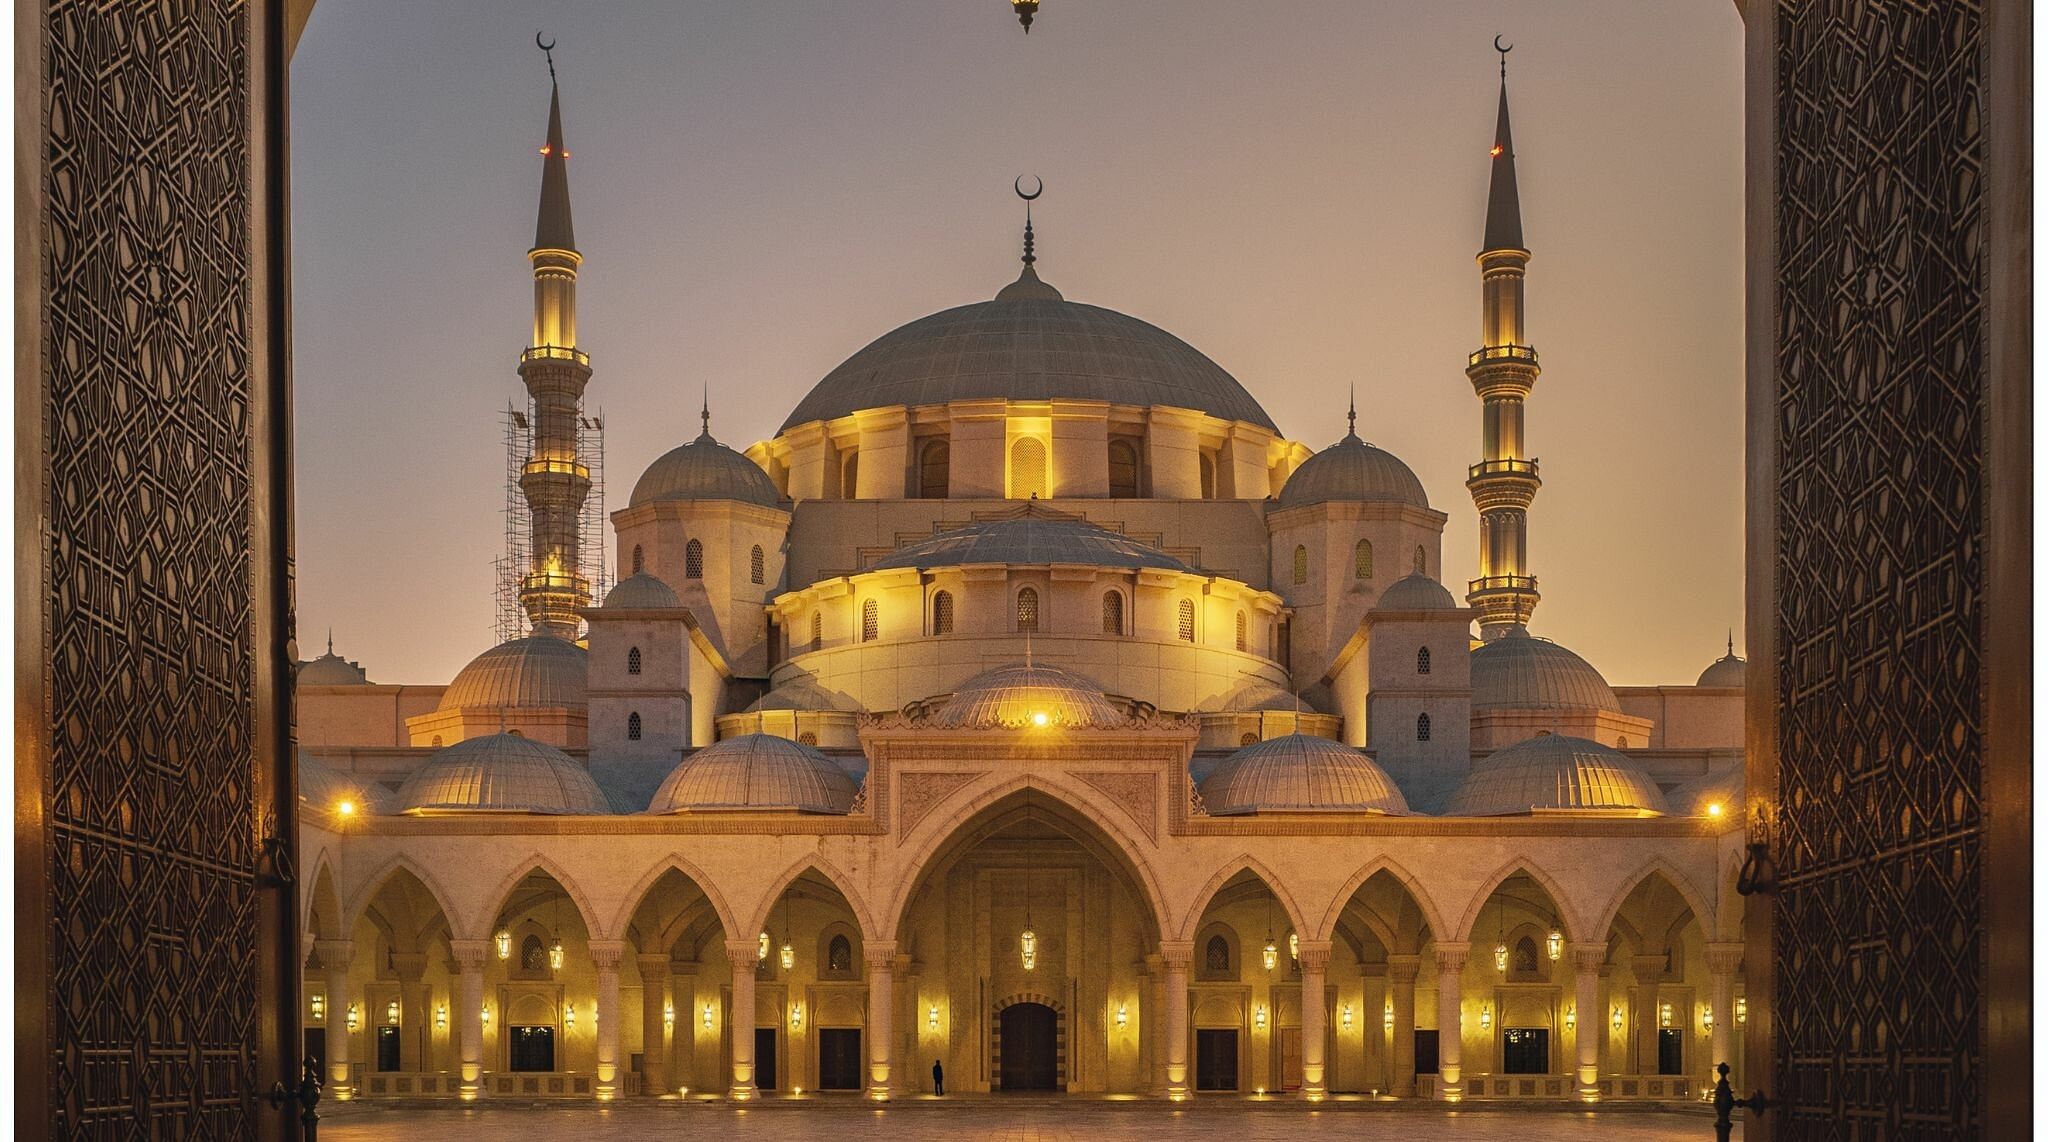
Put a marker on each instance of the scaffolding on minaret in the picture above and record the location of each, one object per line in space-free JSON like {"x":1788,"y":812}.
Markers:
{"x":511,"y":567}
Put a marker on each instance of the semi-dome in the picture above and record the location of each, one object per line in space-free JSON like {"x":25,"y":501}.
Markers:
{"x":1029,"y":343}
{"x":1727,"y":671}
{"x":499,"y":773}
{"x":1416,"y":592}
{"x":1517,"y":672}
{"x":1028,"y":539}
{"x":641,"y":592}
{"x":1018,"y":697}
{"x":1350,"y":471}
{"x":1555,"y":772}
{"x":704,"y":469}
{"x":1299,"y":773}
{"x":755,"y":772}
{"x":535,"y":671}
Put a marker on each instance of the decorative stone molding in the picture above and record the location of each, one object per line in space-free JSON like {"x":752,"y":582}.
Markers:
{"x":1724,"y":958}
{"x":469,"y":955}
{"x":917,"y":794}
{"x":1588,"y":957}
{"x":335,"y":955}
{"x":1403,"y":968}
{"x":1450,"y":958}
{"x":607,"y":954}
{"x":1137,"y":794}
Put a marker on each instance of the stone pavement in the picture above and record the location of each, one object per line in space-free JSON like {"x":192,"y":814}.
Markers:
{"x":999,"y":1119}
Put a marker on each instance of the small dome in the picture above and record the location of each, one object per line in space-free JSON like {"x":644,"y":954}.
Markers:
{"x":1299,"y":773}
{"x":1018,"y":697}
{"x":1555,"y":772}
{"x":641,"y":592}
{"x":1030,"y":538}
{"x":755,"y":771}
{"x":1352,"y":470}
{"x":331,"y":669}
{"x":704,"y":469}
{"x":1723,"y":787}
{"x":1517,"y":672}
{"x":323,"y":786}
{"x":1259,"y":694}
{"x":1726,"y":671}
{"x":499,"y":773}
{"x":803,"y":693}
{"x":535,"y":671}
{"x":1416,"y":593}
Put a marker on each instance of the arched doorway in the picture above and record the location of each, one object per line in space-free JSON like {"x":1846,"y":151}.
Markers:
{"x":1027,"y":1047}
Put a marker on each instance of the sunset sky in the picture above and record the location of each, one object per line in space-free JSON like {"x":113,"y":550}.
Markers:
{"x":760,"y":189}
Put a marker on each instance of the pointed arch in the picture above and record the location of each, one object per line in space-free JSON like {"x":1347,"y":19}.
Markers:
{"x":495,"y":902}
{"x":1242,"y":862}
{"x":1657,"y":865}
{"x":359,"y":901}
{"x":673,"y":862}
{"x":832,"y":875}
{"x":321,"y":900}
{"x":1407,"y":880}
{"x":1568,"y":917}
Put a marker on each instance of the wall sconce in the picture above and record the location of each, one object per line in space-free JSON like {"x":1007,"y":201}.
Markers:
{"x":1485,"y":1016}
{"x":668,"y":1014}
{"x":504,"y":940}
{"x":796,"y":1016}
{"x":555,"y":954}
{"x":1554,"y":944}
{"x":1389,"y":1017}
{"x":593,"y":1015}
{"x":1571,"y":1018}
{"x":1347,"y":1017}
{"x":1663,"y":1015}
{"x":931,"y":1018}
{"x":354,"y":1017}
{"x":569,"y":1017}
{"x":484,"y":1013}
{"x":391,"y":1012}
{"x":441,"y":1017}
{"x":1617,"y":1019}
{"x":1706,"y":1019}
{"x":1259,"y":1017}
{"x":763,"y":953}
{"x":317,"y":1008}
{"x":707,"y":1017}
{"x":1741,"y":1011}
{"x":1294,"y":945}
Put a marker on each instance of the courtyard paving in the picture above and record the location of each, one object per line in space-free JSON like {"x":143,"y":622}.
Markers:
{"x":997,"y":1119}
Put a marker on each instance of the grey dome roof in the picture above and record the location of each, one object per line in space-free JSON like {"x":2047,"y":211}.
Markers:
{"x":1299,"y":773}
{"x":499,"y":773}
{"x":1724,"y":787}
{"x":1554,"y":772}
{"x":1728,"y":671}
{"x":1259,"y":694}
{"x":755,"y":771}
{"x":1014,"y":697}
{"x":525,"y":672}
{"x":1030,"y":539}
{"x":641,"y":592}
{"x":1028,"y":344}
{"x":1517,"y":672}
{"x":803,"y":693}
{"x":704,"y":469}
{"x":1352,"y":470}
{"x":324,"y":786}
{"x":331,"y":669}
{"x":1416,"y":593}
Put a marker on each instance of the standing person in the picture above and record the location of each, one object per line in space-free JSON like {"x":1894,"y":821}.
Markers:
{"x":938,"y":1078}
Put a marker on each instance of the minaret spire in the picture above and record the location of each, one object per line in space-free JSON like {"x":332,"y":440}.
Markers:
{"x":706,"y":435}
{"x":1351,"y":417}
{"x":1503,"y":373}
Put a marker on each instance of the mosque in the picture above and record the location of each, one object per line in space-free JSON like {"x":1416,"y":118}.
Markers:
{"x":1029,"y":704}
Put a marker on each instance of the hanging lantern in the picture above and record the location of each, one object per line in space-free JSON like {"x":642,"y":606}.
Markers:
{"x":504,"y":941}
{"x":763,"y":954}
{"x":1741,"y":1011}
{"x":391,"y":1012}
{"x":1500,"y":957}
{"x":555,"y":954}
{"x":1663,"y":1015}
{"x":1272,"y":954}
{"x":569,"y":1016}
{"x":788,"y":955}
{"x":707,"y":1017}
{"x":1571,"y":1018}
{"x":1555,"y":944}
{"x":317,"y":1008}
{"x":1028,"y":945}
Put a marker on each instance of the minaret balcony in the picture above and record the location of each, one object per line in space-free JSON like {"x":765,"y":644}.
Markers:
{"x":555,"y":353}
{"x":1503,"y":600}
{"x":1496,"y":484}
{"x":540,"y":464}
{"x":1524,"y":354}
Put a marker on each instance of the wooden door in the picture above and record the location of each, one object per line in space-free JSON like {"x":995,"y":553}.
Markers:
{"x":1290,"y":1058}
{"x":839,"y":1058}
{"x":1029,"y":1047}
{"x":1215,"y":1060}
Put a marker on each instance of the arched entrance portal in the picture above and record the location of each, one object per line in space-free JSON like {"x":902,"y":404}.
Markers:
{"x":1027,"y":1047}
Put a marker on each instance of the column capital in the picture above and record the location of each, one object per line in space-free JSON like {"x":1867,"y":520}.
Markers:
{"x":469,"y":955}
{"x":1725,"y":957}
{"x":1450,"y":958}
{"x":1403,"y":968}
{"x":653,"y":965}
{"x":1177,"y":953}
{"x":1315,"y":955}
{"x":878,"y":951}
{"x":410,"y":966}
{"x":1648,"y":969}
{"x":335,"y":955}
{"x":607,"y":954}
{"x":1154,"y":964}
{"x":743,"y":952}
{"x":1588,"y":957}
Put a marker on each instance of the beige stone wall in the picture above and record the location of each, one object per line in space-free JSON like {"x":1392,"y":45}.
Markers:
{"x":1686,"y":717}
{"x":360,"y":715}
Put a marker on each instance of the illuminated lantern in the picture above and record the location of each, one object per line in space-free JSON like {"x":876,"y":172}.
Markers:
{"x":796,"y":1016}
{"x":1706,"y":1019}
{"x":1347,"y":1017}
{"x":555,"y":954}
{"x":1555,"y":944}
{"x":1571,"y":1018}
{"x":569,"y":1016}
{"x":1663,"y":1015}
{"x":763,"y":954}
{"x":931,"y":1018}
{"x":1389,"y":1017}
{"x":354,"y":1017}
{"x":485,"y":1013}
{"x":668,"y":1015}
{"x":1293,"y":945}
{"x":1259,"y":1017}
{"x":1617,"y":1019}
{"x":1123,"y":1017}
{"x":788,"y":955}
{"x":504,"y":940}
{"x":1500,"y":957}
{"x":1272,"y":954}
{"x":707,"y":1017}
{"x":391,"y":1012}
{"x":1741,"y":1011}
{"x":317,"y":1006}
{"x":1028,"y":945}
{"x":1485,"y":1016}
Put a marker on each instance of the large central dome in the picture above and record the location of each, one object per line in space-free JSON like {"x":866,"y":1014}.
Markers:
{"x":1029,"y":344}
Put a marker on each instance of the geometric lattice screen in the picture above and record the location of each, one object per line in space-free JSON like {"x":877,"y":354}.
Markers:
{"x":1878,"y":926}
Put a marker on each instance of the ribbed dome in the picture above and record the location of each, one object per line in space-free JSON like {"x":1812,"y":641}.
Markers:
{"x":526,"y":672}
{"x":1517,"y":672}
{"x":755,"y":771}
{"x":1555,"y":772}
{"x":1259,"y":694}
{"x":1724,"y":788}
{"x":803,"y":693}
{"x":499,"y":773}
{"x":1728,"y":671}
{"x":704,"y":469}
{"x":323,"y":786}
{"x":331,"y":669}
{"x":1416,"y":593}
{"x":641,"y":592}
{"x":1017,"y":697}
{"x":1028,"y":344}
{"x":1352,"y":470}
{"x":1299,"y":773}
{"x":1031,"y":539}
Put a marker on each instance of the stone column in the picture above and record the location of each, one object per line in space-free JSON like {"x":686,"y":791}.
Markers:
{"x":1315,"y":959}
{"x":1154,"y":1015}
{"x":1723,"y":960}
{"x":607,"y":955}
{"x":335,"y":957}
{"x":739,"y":1018}
{"x":1592,"y":1022}
{"x":1450,"y":991}
{"x":1177,"y":955}
{"x":881,"y":960}
{"x":654,"y":1006}
{"x":469,"y":958}
{"x":415,"y":1018}
{"x":689,"y":1000}
{"x":1649,"y":970}
{"x":1401,"y":973}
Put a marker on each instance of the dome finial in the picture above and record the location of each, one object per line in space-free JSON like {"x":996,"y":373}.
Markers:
{"x":706,"y":414}
{"x":547,"y":48}
{"x":330,"y":640}
{"x":1351,"y":418}
{"x":1731,"y":642}
{"x":1503,"y":57}
{"x":1029,"y":256}
{"x":1027,"y":287}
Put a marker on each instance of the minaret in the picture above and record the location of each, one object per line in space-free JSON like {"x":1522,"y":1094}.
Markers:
{"x":1503,"y":372}
{"x":555,"y":479}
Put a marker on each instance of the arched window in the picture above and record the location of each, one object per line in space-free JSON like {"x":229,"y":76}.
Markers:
{"x":1362,"y":557}
{"x":533,"y":955}
{"x":1422,"y":661}
{"x":839,"y":956}
{"x":1027,"y":609}
{"x":1300,"y":564}
{"x":870,"y":621}
{"x":1620,"y":743}
{"x":437,"y":741}
{"x":633,"y":726}
{"x":934,"y":469}
{"x":1208,"y":478}
{"x":639,"y":559}
{"x":1422,"y":727}
{"x":942,"y":613}
{"x":1187,"y":620}
{"x":1248,"y":739}
{"x":1421,"y":560}
{"x":693,"y":559}
{"x":1240,"y":630}
{"x":1216,"y":957}
{"x":849,"y":477}
{"x":1112,"y":613}
{"x":760,"y":565}
{"x":817,"y":629}
{"x":1523,"y":962}
{"x":1027,"y":469}
{"x":633,"y":661}
{"x":1123,"y":470}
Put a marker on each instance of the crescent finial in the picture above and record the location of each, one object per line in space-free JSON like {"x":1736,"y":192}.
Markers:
{"x":547,"y":48}
{"x":1019,"y":186}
